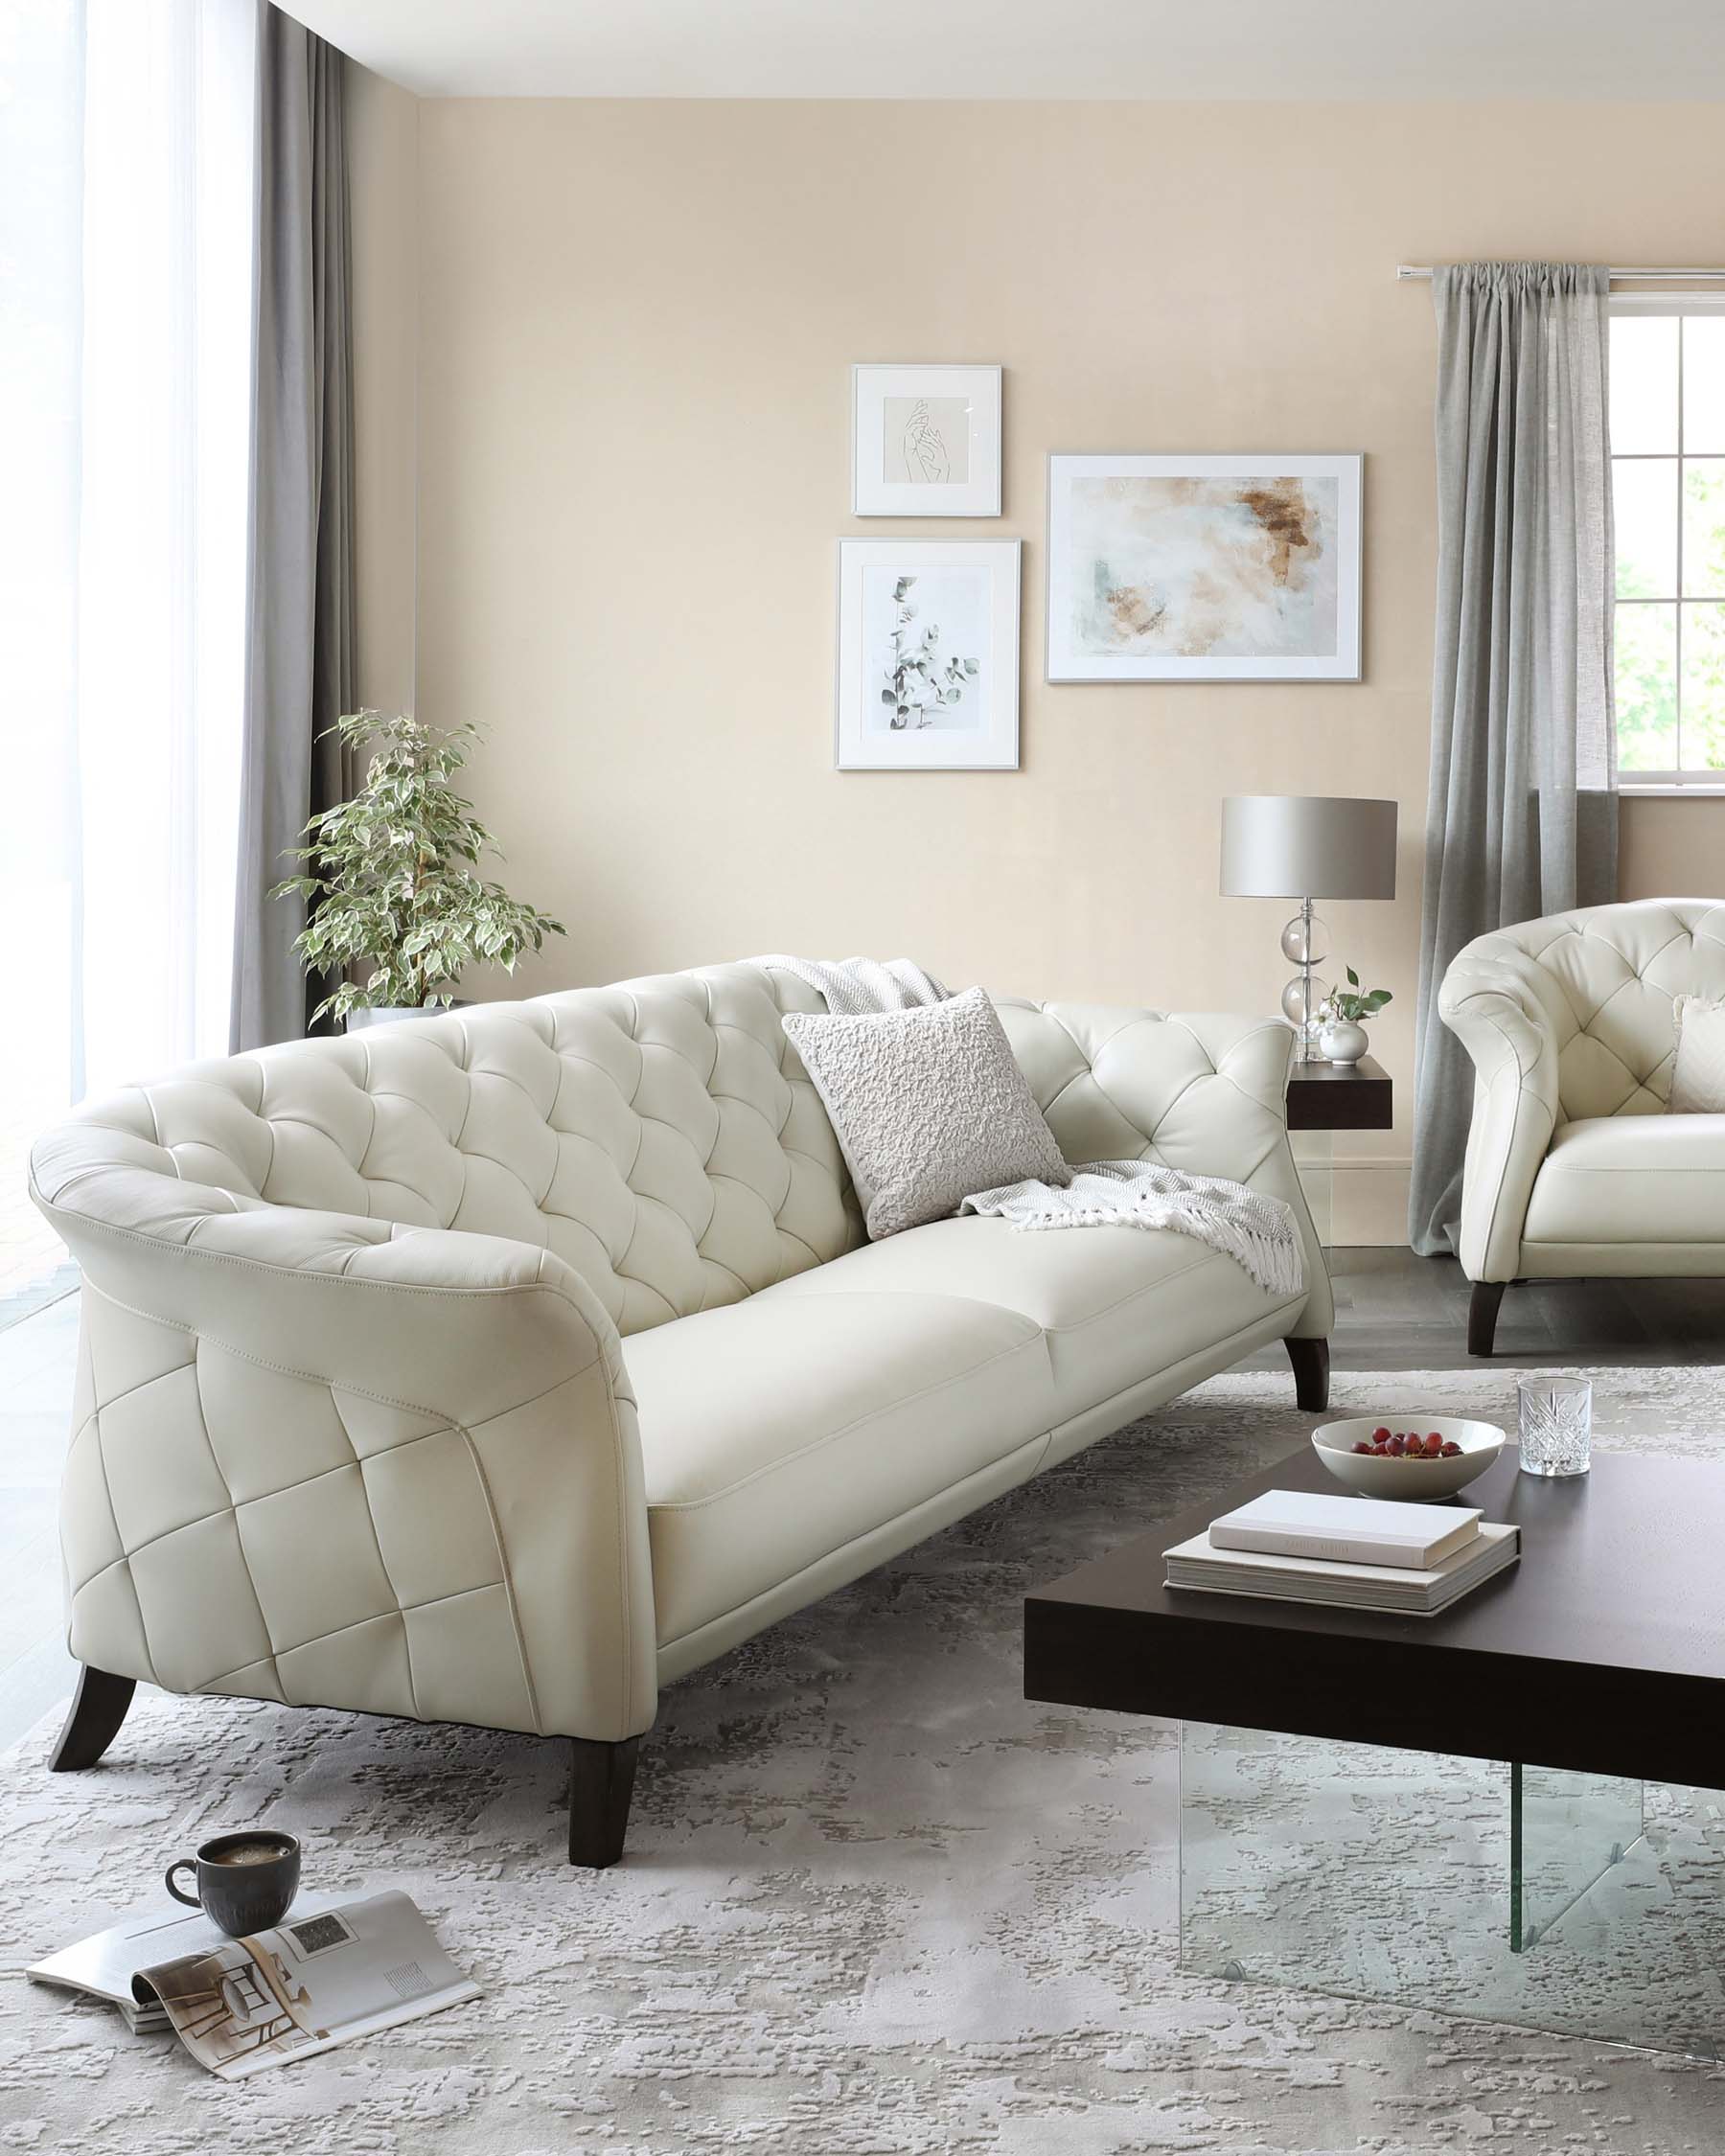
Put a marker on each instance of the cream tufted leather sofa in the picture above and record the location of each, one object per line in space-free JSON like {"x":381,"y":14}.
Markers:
{"x":1573,"y":1166}
{"x":504,"y":1366}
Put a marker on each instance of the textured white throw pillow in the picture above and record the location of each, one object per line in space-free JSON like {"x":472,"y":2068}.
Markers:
{"x":1698,"y":1081}
{"x":929,"y":1105}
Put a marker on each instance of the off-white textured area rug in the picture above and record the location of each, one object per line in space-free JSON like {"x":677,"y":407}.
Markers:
{"x":873,"y":1900}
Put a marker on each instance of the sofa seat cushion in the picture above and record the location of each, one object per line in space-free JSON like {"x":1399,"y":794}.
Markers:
{"x":1118,"y":1305}
{"x":774,"y":1432}
{"x":1631,"y":1178}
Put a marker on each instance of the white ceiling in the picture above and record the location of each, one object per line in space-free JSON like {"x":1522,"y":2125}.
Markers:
{"x":1255,"y":49}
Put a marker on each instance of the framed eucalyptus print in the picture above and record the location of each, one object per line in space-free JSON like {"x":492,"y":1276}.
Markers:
{"x":1204,"y":568}
{"x":928,"y":655}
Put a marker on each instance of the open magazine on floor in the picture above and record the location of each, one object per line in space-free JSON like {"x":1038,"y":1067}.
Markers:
{"x":326,"y":1973}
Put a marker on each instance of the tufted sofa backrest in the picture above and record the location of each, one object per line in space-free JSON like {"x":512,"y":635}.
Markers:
{"x":1117,"y":1084}
{"x":1607,"y":978}
{"x":659,"y":1135}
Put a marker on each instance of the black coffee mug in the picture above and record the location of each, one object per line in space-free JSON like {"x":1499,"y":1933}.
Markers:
{"x":246,"y":1882}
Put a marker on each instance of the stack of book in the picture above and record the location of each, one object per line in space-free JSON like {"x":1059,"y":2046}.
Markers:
{"x":1350,"y":1553}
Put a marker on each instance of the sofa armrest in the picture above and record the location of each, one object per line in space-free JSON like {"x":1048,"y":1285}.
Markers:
{"x":1204,"y":1092}
{"x":1491,"y":1000}
{"x":339,"y":1461}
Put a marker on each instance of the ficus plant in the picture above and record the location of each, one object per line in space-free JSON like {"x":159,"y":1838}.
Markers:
{"x":1354,"y":1003}
{"x":391,"y":879}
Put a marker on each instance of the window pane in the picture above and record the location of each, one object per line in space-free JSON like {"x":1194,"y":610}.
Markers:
{"x":1703,"y":384}
{"x":1703,"y":530}
{"x":1703,"y":687}
{"x":1644,"y":501}
{"x":1644,"y":384}
{"x":1646,"y":688}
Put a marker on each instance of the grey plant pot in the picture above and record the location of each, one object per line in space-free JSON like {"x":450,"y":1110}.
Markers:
{"x":388,"y":1013}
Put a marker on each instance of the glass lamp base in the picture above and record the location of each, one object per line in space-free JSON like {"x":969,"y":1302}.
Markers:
{"x":1300,"y":1003}
{"x":1306,"y":940}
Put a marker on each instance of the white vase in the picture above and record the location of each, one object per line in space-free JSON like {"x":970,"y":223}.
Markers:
{"x":1341,"y":1041}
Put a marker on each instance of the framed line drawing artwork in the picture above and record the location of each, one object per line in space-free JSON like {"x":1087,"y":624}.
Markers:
{"x":1204,"y":568}
{"x":925,"y":441}
{"x":928,"y":655}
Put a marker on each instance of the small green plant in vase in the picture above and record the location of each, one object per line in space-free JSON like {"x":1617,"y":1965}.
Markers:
{"x":1341,"y":1035}
{"x":391,"y":881}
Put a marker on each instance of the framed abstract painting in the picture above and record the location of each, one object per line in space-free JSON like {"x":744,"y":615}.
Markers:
{"x":1204,"y":568}
{"x":928,"y":655}
{"x":925,"y":441}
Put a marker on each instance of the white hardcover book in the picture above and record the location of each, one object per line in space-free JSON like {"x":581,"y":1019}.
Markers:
{"x":1392,"y":1590}
{"x":1346,"y":1529}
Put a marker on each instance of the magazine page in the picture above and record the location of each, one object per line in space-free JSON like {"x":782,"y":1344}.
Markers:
{"x":315,"y":1980}
{"x":104,"y":1964}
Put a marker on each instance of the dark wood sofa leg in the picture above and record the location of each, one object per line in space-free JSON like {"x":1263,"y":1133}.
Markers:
{"x":1483,"y":1315}
{"x":1310,"y":1359}
{"x":601,"y":1784}
{"x":98,"y":1709}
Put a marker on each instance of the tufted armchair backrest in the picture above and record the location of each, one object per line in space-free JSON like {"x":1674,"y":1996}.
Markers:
{"x":1607,"y":978}
{"x":659,"y":1135}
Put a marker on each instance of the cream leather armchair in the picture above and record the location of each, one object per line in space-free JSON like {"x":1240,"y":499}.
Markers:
{"x":504,"y":1366}
{"x":1574,"y":1165}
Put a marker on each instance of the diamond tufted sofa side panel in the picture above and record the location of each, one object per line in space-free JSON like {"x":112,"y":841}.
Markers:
{"x":336,"y":1461}
{"x":353,"y":1427}
{"x":1206,"y":1094}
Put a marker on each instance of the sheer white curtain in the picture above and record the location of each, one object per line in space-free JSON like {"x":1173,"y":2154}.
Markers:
{"x":167,"y":191}
{"x":126,"y":230}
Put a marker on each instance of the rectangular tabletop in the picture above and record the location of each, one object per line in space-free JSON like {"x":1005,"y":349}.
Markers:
{"x":1603,"y":1650}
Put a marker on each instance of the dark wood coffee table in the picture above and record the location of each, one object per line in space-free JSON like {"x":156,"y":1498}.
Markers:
{"x":1525,"y":1718}
{"x":1602,"y":1649}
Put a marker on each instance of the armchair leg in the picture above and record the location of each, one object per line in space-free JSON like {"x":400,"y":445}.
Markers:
{"x":1311,"y":1360}
{"x":98,"y":1709}
{"x":1483,"y":1315}
{"x":601,"y":1784}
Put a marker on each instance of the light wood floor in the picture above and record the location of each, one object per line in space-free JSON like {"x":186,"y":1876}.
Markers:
{"x":1393,"y":1311}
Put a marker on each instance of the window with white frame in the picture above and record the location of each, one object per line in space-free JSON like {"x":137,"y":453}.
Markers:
{"x":1668,"y":469}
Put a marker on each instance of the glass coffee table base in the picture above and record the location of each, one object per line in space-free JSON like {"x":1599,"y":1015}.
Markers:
{"x":1578,"y":1904}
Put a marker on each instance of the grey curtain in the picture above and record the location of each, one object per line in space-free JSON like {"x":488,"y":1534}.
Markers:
{"x":300,"y":671}
{"x":1522,"y":816}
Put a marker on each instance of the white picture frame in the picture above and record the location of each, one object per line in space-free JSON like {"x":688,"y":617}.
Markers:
{"x":968,"y":592}
{"x":1204,"y":568}
{"x":925,"y":441}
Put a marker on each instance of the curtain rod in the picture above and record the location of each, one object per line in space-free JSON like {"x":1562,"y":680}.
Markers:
{"x":1405,"y":269}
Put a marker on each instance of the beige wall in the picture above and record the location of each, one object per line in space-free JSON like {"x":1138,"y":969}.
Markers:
{"x":635,"y":323}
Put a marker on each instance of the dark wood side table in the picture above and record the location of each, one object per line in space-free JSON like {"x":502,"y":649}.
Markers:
{"x":1328,"y":1096}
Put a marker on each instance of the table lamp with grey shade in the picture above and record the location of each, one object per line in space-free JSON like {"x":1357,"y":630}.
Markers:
{"x":1307,"y":846}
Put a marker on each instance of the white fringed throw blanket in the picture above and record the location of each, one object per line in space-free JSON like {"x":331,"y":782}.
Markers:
{"x":1257,"y":1232}
{"x":858,"y":987}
